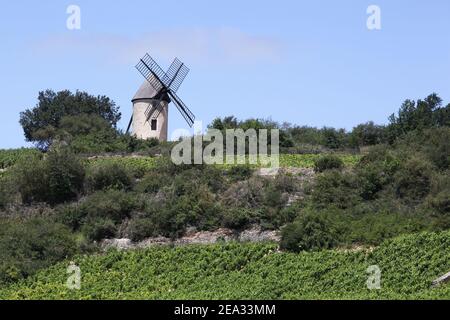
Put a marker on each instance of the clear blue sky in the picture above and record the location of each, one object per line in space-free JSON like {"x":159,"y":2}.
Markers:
{"x":306,"y":62}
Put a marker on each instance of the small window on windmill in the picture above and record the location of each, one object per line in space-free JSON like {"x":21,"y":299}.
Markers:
{"x":154,"y":124}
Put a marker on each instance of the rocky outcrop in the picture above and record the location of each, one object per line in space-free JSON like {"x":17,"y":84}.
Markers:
{"x":441,"y":280}
{"x":254,"y":234}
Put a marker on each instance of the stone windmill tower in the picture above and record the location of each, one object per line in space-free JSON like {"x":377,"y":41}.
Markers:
{"x":150,"y":113}
{"x":151,"y":102}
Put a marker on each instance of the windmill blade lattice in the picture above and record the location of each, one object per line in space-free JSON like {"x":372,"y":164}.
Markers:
{"x":177,"y":73}
{"x":168,"y":83}
{"x":184,"y":110}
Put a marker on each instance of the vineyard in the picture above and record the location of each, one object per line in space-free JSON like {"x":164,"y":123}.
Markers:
{"x":11,"y":156}
{"x":408,"y":266}
{"x":141,"y":163}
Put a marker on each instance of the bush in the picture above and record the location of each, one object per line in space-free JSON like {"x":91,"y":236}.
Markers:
{"x":56,"y":179}
{"x":141,"y":228}
{"x":413,"y":179}
{"x":65,"y":175}
{"x":239,"y":173}
{"x":308,"y":233}
{"x":335,"y":189}
{"x":99,"y":228}
{"x":328,"y":162}
{"x":107,"y":175}
{"x":236,"y":218}
{"x":152,"y":182}
{"x":27,"y":246}
{"x":111,"y":204}
{"x":440,"y":202}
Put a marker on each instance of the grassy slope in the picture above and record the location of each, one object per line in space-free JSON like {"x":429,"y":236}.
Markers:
{"x":250,"y":271}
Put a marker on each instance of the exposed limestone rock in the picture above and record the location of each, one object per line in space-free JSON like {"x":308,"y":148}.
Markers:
{"x":254,"y":234}
{"x":441,"y":280}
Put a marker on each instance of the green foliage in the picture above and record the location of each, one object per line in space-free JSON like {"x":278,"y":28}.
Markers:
{"x":56,"y":179}
{"x":9,"y":157}
{"x":236,"y":218}
{"x":308,"y":233}
{"x":137,"y":166}
{"x":368,"y":134}
{"x":334,"y":189}
{"x":417,"y":116}
{"x":413,"y":179}
{"x":102,"y":176}
{"x":100,"y":214}
{"x":99,"y":229}
{"x":41,"y":123}
{"x":328,"y":162}
{"x":440,"y":202}
{"x":250,"y":271}
{"x":141,"y":228}
{"x":111,"y":204}
{"x":26,"y":246}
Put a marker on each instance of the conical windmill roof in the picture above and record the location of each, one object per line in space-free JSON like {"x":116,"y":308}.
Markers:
{"x":146,"y":91}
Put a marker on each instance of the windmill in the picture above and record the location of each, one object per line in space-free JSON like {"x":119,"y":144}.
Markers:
{"x":151,"y":101}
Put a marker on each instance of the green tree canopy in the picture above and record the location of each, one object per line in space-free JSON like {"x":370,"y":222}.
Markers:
{"x":420,"y":115}
{"x":42,"y":123}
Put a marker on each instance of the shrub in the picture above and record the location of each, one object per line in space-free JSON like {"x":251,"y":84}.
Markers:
{"x":152,"y":182}
{"x":70,"y":215}
{"x":334,"y":189}
{"x":107,"y":175}
{"x":327,"y":162}
{"x":308,"y":233}
{"x":65,"y":175}
{"x":440,"y":202}
{"x":99,"y":228}
{"x":56,"y":179}
{"x":236,"y":218}
{"x":413,"y":179}
{"x":141,"y":228}
{"x":239,"y":172}
{"x":27,"y":246}
{"x":111,"y":204}
{"x":31,"y":179}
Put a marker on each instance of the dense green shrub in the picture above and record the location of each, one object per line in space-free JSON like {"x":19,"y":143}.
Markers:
{"x":152,"y":182}
{"x":236,"y":218}
{"x":97,"y":229}
{"x":57,"y":178}
{"x":334,"y":189}
{"x":31,"y":180}
{"x":100,"y":214}
{"x":111,"y":204}
{"x":308,"y":233}
{"x":239,"y":173}
{"x":65,"y":175}
{"x":328,"y":162}
{"x":413,"y":179}
{"x":440,"y":202}
{"x":141,"y":228}
{"x":106,"y":175}
{"x":433,"y":143}
{"x":27,"y":246}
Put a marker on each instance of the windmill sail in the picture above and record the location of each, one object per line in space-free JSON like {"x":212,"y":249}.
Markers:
{"x":184,"y":110}
{"x":166,"y":83}
{"x":176,"y":73}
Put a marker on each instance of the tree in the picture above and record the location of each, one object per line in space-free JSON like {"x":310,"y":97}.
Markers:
{"x":41,"y":124}
{"x":367,"y":134}
{"x":420,"y":115}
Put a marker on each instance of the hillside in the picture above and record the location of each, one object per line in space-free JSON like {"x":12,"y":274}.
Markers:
{"x":408,"y":264}
{"x":88,"y":184}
